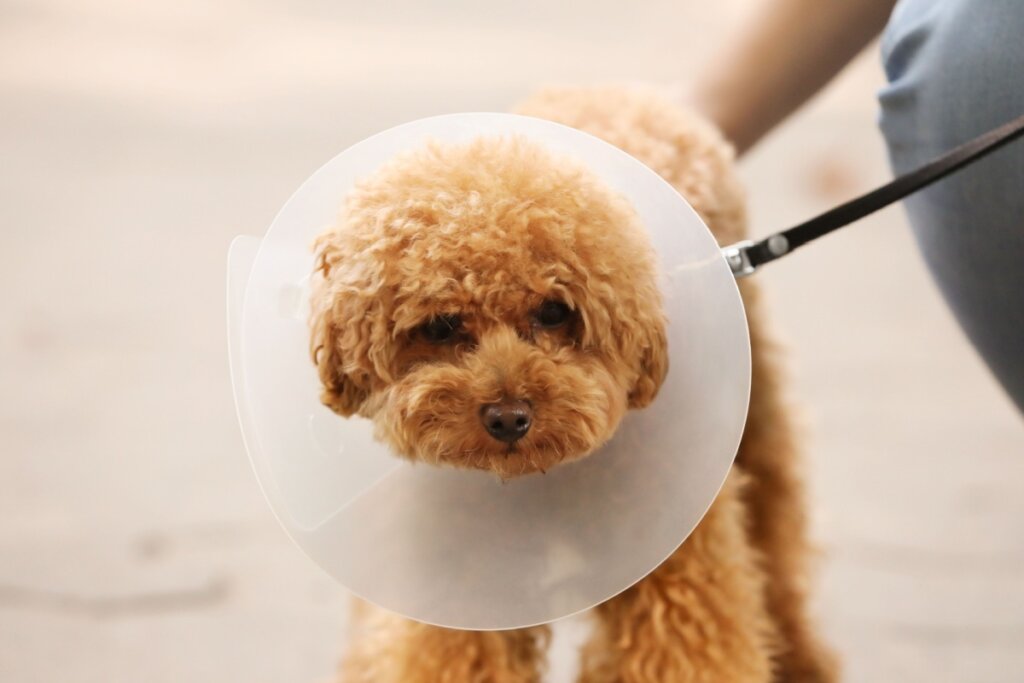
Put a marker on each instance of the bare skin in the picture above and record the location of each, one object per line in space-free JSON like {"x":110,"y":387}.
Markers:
{"x":788,"y":52}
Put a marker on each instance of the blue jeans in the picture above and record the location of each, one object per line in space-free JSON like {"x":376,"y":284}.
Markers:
{"x":955,"y":70}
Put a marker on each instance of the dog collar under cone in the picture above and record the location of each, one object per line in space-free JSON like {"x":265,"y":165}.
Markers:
{"x":460,"y":548}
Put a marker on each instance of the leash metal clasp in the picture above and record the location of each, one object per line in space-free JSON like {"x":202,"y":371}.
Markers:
{"x":738,"y":257}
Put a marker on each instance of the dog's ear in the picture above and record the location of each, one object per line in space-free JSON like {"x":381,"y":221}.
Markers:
{"x":341,"y":392}
{"x":625,"y":320}
{"x":652,"y":354}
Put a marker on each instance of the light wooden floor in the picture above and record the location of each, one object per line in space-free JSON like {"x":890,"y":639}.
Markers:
{"x":138,"y":138}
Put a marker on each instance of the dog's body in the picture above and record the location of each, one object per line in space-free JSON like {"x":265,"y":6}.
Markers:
{"x":729,"y":605}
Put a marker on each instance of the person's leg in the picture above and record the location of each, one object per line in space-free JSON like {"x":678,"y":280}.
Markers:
{"x":956,"y":70}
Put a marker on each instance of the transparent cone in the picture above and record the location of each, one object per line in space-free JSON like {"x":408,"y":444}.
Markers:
{"x":460,"y":548}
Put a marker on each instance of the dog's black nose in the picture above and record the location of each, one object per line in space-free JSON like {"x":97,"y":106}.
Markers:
{"x":507,"y":421}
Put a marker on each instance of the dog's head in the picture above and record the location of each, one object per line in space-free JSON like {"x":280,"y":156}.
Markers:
{"x":489,"y":306}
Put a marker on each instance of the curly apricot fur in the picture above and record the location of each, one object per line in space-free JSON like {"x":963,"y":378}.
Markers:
{"x":488,"y":231}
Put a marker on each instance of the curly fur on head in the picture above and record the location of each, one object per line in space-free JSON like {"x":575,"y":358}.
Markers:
{"x":461,"y":276}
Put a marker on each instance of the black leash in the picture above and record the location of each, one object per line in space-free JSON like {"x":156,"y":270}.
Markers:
{"x":745,"y":257}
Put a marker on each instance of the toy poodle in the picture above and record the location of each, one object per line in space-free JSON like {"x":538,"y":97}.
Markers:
{"x":490,"y":305}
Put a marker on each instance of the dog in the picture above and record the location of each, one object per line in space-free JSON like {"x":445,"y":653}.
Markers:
{"x":491,"y":306}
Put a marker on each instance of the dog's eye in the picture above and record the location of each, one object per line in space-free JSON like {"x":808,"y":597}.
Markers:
{"x":442,"y":329}
{"x":552,"y":314}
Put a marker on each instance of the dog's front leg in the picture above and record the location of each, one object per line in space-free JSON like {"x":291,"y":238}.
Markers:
{"x":699,"y":618}
{"x":386,"y":648}
{"x":777,"y":508}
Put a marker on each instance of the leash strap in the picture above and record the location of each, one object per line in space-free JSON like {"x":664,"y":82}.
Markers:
{"x":746,"y":257}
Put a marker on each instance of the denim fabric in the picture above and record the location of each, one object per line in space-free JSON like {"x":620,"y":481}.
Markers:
{"x":955,"y":70}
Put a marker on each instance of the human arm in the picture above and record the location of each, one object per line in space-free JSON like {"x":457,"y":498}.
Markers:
{"x":790,"y":50}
